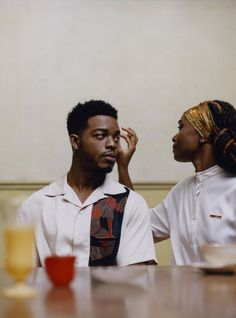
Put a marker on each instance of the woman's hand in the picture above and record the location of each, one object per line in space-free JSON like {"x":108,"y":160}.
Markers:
{"x":125,"y":155}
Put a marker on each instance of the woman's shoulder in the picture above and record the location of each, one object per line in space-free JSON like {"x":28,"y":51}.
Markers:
{"x":183,"y":184}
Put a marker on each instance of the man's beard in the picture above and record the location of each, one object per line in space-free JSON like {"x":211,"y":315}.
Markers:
{"x":89,"y":164}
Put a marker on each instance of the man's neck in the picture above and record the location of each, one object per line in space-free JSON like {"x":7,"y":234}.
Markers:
{"x":84,"y":183}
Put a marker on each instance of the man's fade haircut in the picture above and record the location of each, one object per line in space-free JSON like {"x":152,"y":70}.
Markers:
{"x":77,"y":119}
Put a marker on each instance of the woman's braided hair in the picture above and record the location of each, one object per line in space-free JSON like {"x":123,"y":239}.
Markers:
{"x":224,"y":136}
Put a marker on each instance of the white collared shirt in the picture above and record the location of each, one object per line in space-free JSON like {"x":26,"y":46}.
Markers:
{"x":200,"y":209}
{"x":63,"y":222}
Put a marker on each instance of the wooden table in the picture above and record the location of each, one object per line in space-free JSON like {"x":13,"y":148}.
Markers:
{"x":141,"y":291}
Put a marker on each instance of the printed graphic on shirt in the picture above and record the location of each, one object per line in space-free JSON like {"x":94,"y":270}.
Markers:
{"x":105,"y":231}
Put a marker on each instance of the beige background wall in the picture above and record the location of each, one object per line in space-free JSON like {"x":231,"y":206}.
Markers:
{"x":150,"y":59}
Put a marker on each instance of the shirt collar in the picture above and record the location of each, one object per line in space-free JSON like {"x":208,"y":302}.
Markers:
{"x":61,"y":188}
{"x":56,"y":188}
{"x":208,"y":173}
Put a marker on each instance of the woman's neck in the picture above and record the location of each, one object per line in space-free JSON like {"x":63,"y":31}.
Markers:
{"x":205,"y":158}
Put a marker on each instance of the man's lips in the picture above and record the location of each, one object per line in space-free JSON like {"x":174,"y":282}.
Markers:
{"x":110,"y":156}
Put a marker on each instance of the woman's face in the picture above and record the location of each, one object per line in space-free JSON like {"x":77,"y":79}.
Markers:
{"x":186,"y":142}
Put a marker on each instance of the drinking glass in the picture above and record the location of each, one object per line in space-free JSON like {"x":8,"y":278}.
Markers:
{"x":20,"y":259}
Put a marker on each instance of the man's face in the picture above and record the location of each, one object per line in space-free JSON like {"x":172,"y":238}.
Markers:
{"x":186,"y":142}
{"x":99,"y":144}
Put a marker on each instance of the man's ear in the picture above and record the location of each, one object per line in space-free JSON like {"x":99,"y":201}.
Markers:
{"x":74,"y":140}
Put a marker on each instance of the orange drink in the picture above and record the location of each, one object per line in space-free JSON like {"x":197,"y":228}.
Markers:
{"x":20,"y":251}
{"x":20,"y":258}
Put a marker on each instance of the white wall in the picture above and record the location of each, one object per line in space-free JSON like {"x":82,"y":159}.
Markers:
{"x":150,"y":59}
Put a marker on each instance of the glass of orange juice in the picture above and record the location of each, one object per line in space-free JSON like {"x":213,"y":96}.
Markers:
{"x":20,"y":259}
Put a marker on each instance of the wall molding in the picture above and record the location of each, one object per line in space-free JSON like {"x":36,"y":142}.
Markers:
{"x":17,"y":185}
{"x":33,"y":186}
{"x":153,"y":185}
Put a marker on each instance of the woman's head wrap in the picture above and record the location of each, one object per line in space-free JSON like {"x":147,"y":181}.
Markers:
{"x":201,"y":120}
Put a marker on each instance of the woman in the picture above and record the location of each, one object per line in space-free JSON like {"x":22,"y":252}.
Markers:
{"x":202,"y":208}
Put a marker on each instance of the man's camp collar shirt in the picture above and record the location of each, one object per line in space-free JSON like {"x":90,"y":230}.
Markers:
{"x":63,"y":222}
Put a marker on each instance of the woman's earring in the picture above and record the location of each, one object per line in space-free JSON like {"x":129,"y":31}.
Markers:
{"x":202,"y":141}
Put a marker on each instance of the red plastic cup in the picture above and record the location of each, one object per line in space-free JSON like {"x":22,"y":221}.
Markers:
{"x":60,"y":269}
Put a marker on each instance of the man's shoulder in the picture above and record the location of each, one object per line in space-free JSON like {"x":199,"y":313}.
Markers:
{"x":136,"y":204}
{"x":52,"y":189}
{"x":35,"y":197}
{"x":115,"y":188}
{"x":122,"y":188}
{"x":135,"y":196}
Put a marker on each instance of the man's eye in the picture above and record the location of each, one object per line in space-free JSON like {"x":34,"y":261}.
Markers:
{"x":117,"y":139}
{"x":100,"y":136}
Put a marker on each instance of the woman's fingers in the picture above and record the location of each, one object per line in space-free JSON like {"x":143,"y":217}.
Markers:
{"x":130,"y":137}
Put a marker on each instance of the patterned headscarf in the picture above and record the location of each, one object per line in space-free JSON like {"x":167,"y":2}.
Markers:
{"x":201,"y":120}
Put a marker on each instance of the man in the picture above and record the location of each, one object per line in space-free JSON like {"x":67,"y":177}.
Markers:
{"x":86,"y":213}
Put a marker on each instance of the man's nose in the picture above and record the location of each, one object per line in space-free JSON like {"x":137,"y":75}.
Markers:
{"x":110,"y":143}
